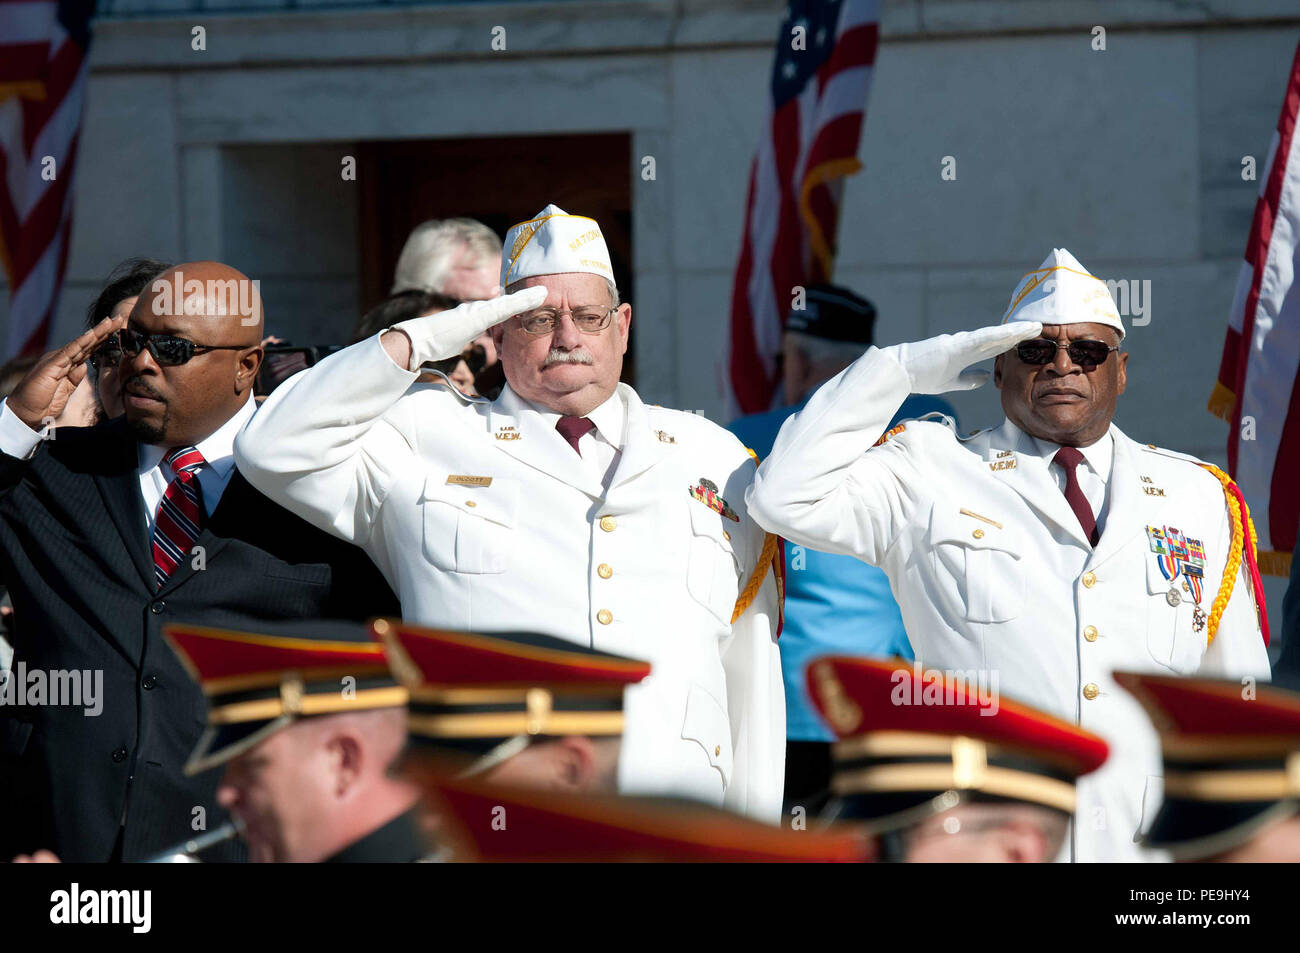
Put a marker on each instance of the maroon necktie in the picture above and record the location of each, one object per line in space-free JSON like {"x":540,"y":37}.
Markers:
{"x":180,"y":513}
{"x":572,"y":429}
{"x":1069,"y":458}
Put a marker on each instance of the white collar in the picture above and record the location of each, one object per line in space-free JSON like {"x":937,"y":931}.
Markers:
{"x":218,"y":448}
{"x":1098,"y":456}
{"x":610,"y":417}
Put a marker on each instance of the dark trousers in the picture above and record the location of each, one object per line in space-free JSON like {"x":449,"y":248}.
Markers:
{"x":807,"y":776}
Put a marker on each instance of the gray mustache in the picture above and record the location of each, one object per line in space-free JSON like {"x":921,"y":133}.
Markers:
{"x":576,"y":356}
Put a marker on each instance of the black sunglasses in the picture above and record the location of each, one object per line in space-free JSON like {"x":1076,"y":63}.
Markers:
{"x":1084,"y":353}
{"x":167,"y":349}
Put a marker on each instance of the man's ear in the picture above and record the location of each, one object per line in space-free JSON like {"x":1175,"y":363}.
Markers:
{"x":997,"y":371}
{"x":497,"y":332}
{"x":1121,"y":380}
{"x":576,"y":761}
{"x":347,"y":757}
{"x":1024,"y":843}
{"x":250,"y":362}
{"x":624,"y":319}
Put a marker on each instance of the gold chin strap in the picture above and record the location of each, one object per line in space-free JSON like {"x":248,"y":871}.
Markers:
{"x":1235,"y":550}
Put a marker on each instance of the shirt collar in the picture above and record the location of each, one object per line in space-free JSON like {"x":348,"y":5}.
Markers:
{"x":1098,"y":456}
{"x":609,"y":418}
{"x":218,"y":448}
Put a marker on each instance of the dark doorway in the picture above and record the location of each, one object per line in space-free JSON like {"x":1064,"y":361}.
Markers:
{"x":499,"y":181}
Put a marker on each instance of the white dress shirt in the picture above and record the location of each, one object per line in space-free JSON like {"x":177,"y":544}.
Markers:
{"x":19,"y":440}
{"x":1093,"y":473}
{"x":601,"y":447}
{"x":218,"y":465}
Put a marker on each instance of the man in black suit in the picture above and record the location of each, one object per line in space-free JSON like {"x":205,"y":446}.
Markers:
{"x":106,"y":534}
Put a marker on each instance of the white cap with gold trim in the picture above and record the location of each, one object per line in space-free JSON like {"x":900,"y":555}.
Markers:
{"x":553,"y":242}
{"x":1062,"y":291}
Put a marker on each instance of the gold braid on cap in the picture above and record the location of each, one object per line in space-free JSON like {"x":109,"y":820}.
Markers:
{"x":1235,"y":550}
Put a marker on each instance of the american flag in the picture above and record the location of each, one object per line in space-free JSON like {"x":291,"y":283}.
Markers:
{"x":42,"y":83}
{"x":819,"y":94}
{"x":1258,"y":391}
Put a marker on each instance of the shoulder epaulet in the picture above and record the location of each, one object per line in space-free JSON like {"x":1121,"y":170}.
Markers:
{"x":1174,"y":455}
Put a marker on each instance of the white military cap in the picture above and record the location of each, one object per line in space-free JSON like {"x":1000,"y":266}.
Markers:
{"x":1062,"y":291}
{"x":553,"y":242}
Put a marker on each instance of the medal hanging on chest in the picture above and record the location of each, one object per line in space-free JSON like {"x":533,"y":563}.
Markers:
{"x":1194,"y":574}
{"x":1178,"y":555}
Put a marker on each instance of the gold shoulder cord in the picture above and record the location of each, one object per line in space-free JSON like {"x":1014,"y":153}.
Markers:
{"x":760,"y":573}
{"x":765,"y":559}
{"x":1234,"y":550}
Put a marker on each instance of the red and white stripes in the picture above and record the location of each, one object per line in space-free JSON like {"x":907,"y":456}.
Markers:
{"x":1257,"y":389}
{"x":792,"y":208}
{"x":42,"y":85}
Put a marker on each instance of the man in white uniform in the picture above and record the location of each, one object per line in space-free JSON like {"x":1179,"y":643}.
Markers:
{"x":567,"y":507}
{"x":1049,"y":551}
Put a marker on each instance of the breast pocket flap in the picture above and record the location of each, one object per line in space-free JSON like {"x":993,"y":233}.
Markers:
{"x":497,"y":501}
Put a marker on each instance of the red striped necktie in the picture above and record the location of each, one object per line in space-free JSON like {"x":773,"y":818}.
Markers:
{"x":180,"y":513}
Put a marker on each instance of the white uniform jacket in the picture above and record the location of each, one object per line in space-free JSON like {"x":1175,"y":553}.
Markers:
{"x":482,"y":518}
{"x":994,"y":574}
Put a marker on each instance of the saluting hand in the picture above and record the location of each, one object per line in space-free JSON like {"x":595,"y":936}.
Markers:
{"x":941,"y":364}
{"x":436,"y":337}
{"x":42,"y":395}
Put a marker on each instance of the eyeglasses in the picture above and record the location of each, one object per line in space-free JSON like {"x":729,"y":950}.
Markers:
{"x":1084,"y":353}
{"x":168,"y":350}
{"x":590,"y":320}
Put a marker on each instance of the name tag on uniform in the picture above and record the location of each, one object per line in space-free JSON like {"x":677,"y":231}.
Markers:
{"x":458,"y":479}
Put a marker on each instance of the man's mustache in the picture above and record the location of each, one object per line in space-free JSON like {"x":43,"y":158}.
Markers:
{"x":578,"y":355}
{"x":138,"y":386}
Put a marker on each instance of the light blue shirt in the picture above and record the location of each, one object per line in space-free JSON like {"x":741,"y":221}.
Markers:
{"x":834,"y":605}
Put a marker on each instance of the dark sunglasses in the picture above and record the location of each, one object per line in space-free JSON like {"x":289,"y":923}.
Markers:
{"x":168,"y":350}
{"x":1084,"y":353}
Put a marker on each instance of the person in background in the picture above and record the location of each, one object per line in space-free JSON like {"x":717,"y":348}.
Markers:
{"x":833,"y":604}
{"x":99,"y":397}
{"x":942,"y":769}
{"x":308,"y":769}
{"x":405,"y":305}
{"x":1231,"y":791}
{"x":459,"y":258}
{"x":154,"y":524}
{"x":516,"y":709}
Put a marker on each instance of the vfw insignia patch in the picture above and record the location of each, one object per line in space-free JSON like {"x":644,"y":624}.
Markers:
{"x":707,"y":493}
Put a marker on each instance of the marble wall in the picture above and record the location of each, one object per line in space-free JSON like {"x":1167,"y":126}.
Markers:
{"x":1130,"y":157}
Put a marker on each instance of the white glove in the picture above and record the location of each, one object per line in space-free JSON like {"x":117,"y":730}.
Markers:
{"x":436,"y":337}
{"x":941,"y":364}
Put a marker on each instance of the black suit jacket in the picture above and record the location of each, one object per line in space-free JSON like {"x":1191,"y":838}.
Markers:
{"x":75,"y":553}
